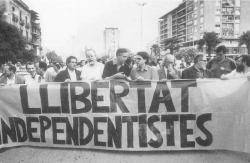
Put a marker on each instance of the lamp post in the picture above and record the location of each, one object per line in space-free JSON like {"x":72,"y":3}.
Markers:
{"x":141,"y":5}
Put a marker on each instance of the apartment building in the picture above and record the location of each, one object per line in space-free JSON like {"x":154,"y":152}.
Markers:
{"x":188,"y":22}
{"x":111,"y":41}
{"x":17,"y":13}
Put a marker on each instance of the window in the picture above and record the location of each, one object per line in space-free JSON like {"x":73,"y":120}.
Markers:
{"x":217,"y":19}
{"x":13,"y":9}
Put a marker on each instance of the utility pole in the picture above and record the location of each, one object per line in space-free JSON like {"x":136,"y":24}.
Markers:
{"x":141,"y":5}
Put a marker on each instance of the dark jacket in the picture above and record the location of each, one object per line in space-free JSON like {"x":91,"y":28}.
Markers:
{"x":193,"y":73}
{"x":63,"y":75}
{"x":162,"y":74}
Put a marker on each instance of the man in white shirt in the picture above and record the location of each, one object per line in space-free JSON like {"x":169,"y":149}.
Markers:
{"x":93,"y":70}
{"x":32,"y":77}
{"x":70,"y":74}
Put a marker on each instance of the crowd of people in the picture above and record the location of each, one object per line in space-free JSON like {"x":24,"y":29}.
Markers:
{"x":127,"y":67}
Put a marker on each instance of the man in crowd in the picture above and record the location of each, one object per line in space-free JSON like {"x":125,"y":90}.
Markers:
{"x":143,"y":71}
{"x":41,"y":68}
{"x":116,"y":68}
{"x":93,"y":69}
{"x":32,"y":77}
{"x":197,"y":70}
{"x":9,"y":76}
{"x":52,"y":72}
{"x":220,"y":64}
{"x":168,"y":70}
{"x":70,"y":74}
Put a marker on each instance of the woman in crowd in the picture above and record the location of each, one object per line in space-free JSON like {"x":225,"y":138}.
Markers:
{"x":143,"y":71}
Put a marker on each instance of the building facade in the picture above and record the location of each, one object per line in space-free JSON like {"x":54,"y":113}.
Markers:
{"x":111,"y":41}
{"x":192,"y":18}
{"x":17,"y":13}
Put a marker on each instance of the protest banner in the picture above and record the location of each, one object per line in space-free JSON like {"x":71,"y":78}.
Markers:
{"x":129,"y":116}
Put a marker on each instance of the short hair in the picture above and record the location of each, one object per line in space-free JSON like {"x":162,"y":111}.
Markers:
{"x":69,"y":59}
{"x":221,"y":48}
{"x":12,"y":68}
{"x":144,"y":55}
{"x":43,"y":65}
{"x":121,"y":50}
{"x":246,"y":59}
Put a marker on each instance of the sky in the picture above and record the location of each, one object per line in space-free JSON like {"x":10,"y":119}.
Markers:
{"x":68,"y":26}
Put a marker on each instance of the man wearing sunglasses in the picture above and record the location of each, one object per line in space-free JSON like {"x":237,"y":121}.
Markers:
{"x":70,"y":74}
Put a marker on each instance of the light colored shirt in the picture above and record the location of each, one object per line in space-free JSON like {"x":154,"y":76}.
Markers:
{"x":11,"y":81}
{"x":92,"y":72}
{"x":72,"y":75}
{"x":147,"y":73}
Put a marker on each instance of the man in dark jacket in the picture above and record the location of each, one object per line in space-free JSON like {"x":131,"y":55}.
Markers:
{"x":70,"y":74}
{"x":198,"y":70}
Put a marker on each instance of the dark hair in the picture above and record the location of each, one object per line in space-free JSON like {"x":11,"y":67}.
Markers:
{"x":221,"y":48}
{"x":144,"y":55}
{"x":12,"y":68}
{"x":246,"y":59}
{"x":43,"y":65}
{"x":68,"y":60}
{"x":121,"y":50}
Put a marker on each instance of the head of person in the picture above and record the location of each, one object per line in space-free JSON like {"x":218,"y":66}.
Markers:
{"x":41,"y":68}
{"x":169,"y":60}
{"x":159,"y":62}
{"x":71,"y":63}
{"x":91,"y":56}
{"x":141,"y":58}
{"x":30,"y":68}
{"x":122,"y":55}
{"x":244,"y":63}
{"x":9,"y":70}
{"x":56,"y":66}
{"x":199,"y":61}
{"x":220,"y":52}
{"x":82,"y":62}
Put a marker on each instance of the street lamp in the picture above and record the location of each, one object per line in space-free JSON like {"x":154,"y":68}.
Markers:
{"x":141,"y":5}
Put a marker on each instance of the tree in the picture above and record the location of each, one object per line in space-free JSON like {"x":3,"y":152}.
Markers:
{"x":172,"y":44}
{"x":245,"y":39}
{"x":211,"y":40}
{"x":53,"y":57}
{"x":12,"y":44}
{"x":155,"y":50}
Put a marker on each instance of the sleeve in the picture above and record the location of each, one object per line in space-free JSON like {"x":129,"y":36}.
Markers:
{"x":105,"y":71}
{"x":58,"y":78}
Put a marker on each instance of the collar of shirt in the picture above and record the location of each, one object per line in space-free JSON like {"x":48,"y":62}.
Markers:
{"x":145,"y":68}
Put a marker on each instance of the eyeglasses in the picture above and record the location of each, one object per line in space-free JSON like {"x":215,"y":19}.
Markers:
{"x":138,"y":59}
{"x":73,"y":62}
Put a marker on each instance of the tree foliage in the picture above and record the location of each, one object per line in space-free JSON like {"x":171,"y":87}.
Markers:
{"x":172,"y":44}
{"x":245,"y":39}
{"x":13,"y":46}
{"x":211,"y":40}
{"x":53,"y":57}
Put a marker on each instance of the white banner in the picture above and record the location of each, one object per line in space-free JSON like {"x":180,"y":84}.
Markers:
{"x":130,"y":116}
